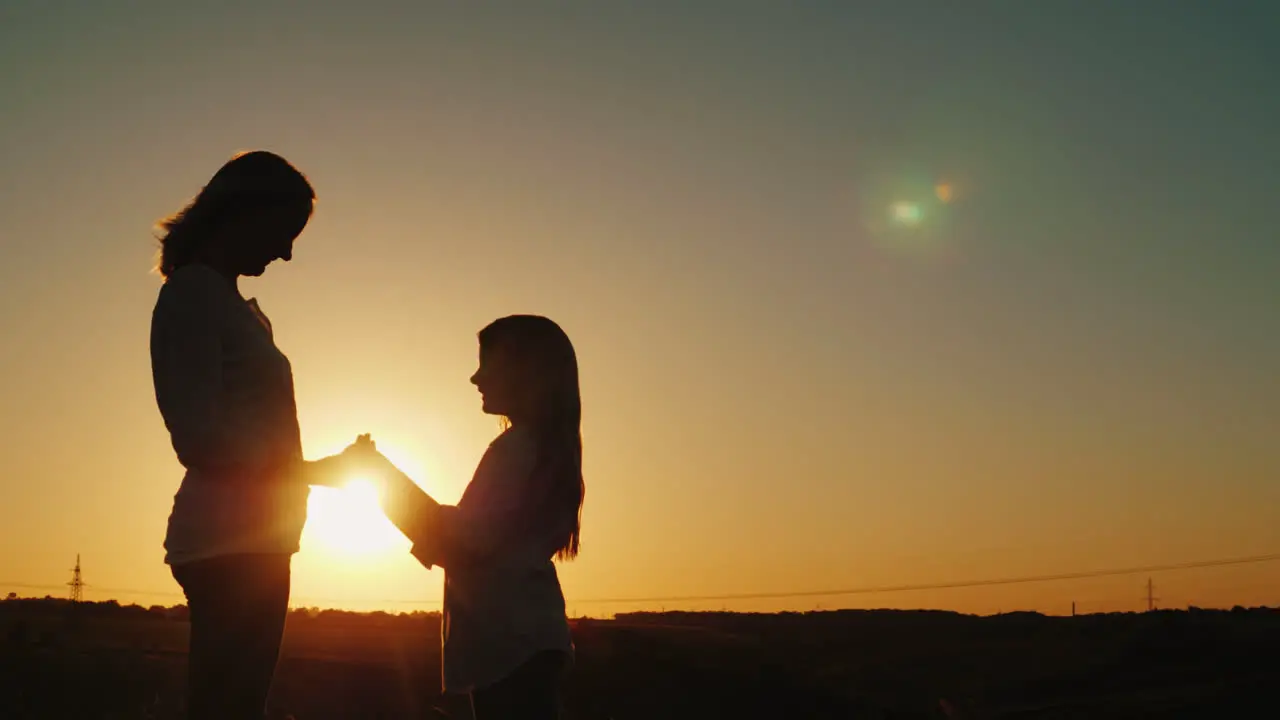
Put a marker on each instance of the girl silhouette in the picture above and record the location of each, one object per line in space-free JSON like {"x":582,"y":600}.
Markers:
{"x":506,"y":639}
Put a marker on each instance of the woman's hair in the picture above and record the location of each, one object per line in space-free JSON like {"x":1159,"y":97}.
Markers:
{"x":546,"y":359}
{"x":248,"y":181}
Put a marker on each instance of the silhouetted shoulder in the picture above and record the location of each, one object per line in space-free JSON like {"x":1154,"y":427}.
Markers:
{"x":510,"y":458}
{"x":515,"y":442}
{"x":195,"y":277}
{"x":193,"y":287}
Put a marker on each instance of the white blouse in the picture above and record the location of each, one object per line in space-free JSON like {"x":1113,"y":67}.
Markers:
{"x":226,"y":394}
{"x":502,"y":597}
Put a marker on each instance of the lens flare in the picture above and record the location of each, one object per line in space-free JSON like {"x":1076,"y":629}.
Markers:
{"x":906,"y":213}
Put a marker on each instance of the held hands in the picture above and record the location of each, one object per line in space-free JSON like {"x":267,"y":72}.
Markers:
{"x":360,"y":450}
{"x":413,"y":511}
{"x":405,"y":504}
{"x":362,"y":457}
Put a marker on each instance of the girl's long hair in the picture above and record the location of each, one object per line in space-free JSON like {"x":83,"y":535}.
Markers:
{"x":248,"y":181}
{"x":550,"y":364}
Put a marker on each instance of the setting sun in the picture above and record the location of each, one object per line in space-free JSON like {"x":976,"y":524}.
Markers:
{"x":348,"y":522}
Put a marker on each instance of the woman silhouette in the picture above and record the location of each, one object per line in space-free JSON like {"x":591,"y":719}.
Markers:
{"x":226,"y":394}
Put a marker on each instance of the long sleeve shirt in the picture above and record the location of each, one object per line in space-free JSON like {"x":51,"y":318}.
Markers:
{"x":225,"y":392}
{"x":502,"y":597}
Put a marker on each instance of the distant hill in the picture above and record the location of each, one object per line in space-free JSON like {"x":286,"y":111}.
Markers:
{"x":100,"y":660}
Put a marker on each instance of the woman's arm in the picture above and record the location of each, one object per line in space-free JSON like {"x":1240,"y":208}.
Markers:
{"x":332,"y":471}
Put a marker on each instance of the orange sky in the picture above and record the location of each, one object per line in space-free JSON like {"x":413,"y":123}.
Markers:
{"x":790,"y":382}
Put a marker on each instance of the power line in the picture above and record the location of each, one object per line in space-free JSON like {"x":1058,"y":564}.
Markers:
{"x":864,"y":590}
{"x":131,"y":591}
{"x":869,"y":590}
{"x":28,"y":586}
{"x":94,"y":588}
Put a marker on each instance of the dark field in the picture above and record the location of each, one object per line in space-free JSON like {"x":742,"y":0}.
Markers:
{"x":105,"y":661}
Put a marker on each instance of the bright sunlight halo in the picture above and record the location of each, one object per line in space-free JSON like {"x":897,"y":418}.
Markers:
{"x":348,"y":522}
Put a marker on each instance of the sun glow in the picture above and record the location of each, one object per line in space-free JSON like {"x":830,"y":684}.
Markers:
{"x":348,"y":522}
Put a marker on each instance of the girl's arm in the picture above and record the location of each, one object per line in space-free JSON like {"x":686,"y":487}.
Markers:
{"x":410,"y":508}
{"x":448,"y":535}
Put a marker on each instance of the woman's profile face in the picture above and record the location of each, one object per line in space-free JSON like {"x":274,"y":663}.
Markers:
{"x":266,"y":234}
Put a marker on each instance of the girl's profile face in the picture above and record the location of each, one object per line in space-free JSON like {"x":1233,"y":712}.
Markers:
{"x":497,"y":379}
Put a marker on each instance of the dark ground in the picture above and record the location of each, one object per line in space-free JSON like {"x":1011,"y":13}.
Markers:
{"x":105,"y":661}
